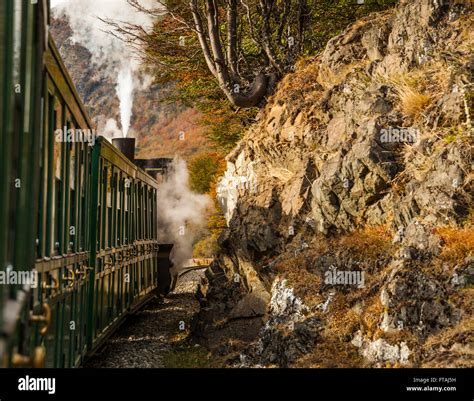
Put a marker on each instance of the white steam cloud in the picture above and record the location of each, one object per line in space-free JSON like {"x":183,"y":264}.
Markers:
{"x":110,"y":53}
{"x":125,"y":94}
{"x":181,"y":212}
{"x":109,"y":129}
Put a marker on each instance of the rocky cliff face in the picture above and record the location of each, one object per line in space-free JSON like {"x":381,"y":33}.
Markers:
{"x":349,"y":204}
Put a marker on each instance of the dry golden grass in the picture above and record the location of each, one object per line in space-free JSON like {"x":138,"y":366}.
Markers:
{"x":342,"y":321}
{"x":459,"y":243}
{"x":418,"y":89}
{"x":412,"y":101}
{"x":300,"y":85}
{"x":465,"y":41}
{"x":328,"y":78}
{"x":371,"y":316}
{"x":453,"y":347}
{"x":368,"y":243}
{"x":332,"y":353}
{"x":463,"y":299}
{"x":398,"y":336}
{"x":417,"y":165}
{"x":305,"y":285}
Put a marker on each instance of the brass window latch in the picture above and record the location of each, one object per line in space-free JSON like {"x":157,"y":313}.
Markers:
{"x":37,"y":360}
{"x":44,"y":318}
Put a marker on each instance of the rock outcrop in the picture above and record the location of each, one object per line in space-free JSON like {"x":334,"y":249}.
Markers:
{"x":375,"y":133}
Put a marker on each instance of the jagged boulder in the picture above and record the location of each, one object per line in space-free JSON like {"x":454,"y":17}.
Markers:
{"x":289,"y":332}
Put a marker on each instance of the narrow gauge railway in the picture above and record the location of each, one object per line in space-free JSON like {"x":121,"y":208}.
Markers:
{"x":79,"y":213}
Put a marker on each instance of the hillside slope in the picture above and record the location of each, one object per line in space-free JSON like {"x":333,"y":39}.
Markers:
{"x":156,"y":123}
{"x":349,"y":205}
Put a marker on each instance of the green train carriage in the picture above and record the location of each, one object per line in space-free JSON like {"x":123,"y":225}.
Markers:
{"x":22,"y":44}
{"x":125,"y":232}
{"x":85,"y":216}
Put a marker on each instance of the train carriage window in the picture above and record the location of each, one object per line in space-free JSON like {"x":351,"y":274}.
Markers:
{"x":72,"y":159}
{"x":147,"y":215}
{"x":82,"y":198}
{"x":108,"y":224}
{"x":104,"y":206}
{"x":140,"y":206}
{"x":118,"y":231}
{"x":42,"y":186}
{"x":139,"y":214}
{"x":155,"y":213}
{"x":100,"y":225}
{"x":17,"y":40}
{"x":82,"y":169}
{"x":126,"y":192}
{"x":142,"y":219}
{"x":57,"y":169}
{"x":136,"y":210}
{"x":145,"y":212}
{"x":150,"y":213}
{"x":152,"y":223}
{"x":115,"y":207}
{"x":49,"y":183}
{"x":72,"y":226}
{"x":57,"y":219}
{"x":67,"y":149}
{"x":148,"y":208}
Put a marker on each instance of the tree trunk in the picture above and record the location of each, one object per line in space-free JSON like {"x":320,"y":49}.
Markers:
{"x":258,"y":90}
{"x":228,"y":81}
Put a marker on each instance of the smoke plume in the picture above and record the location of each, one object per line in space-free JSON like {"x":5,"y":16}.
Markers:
{"x":181,"y":212}
{"x":109,"y":129}
{"x":125,"y":94}
{"x":109,"y":52}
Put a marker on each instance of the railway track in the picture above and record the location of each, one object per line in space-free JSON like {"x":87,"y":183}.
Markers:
{"x":145,"y":338}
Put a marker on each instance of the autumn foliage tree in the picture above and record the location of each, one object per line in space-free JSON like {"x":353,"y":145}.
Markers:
{"x":246,"y":45}
{"x":227,"y":55}
{"x":204,"y":169}
{"x":204,"y":172}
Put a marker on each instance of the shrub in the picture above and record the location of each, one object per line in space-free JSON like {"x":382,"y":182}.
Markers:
{"x":203,"y":169}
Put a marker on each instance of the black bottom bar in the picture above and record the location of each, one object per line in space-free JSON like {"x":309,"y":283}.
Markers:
{"x":241,"y":384}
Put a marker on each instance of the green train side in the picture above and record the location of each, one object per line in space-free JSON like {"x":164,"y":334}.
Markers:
{"x":83,"y":217}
